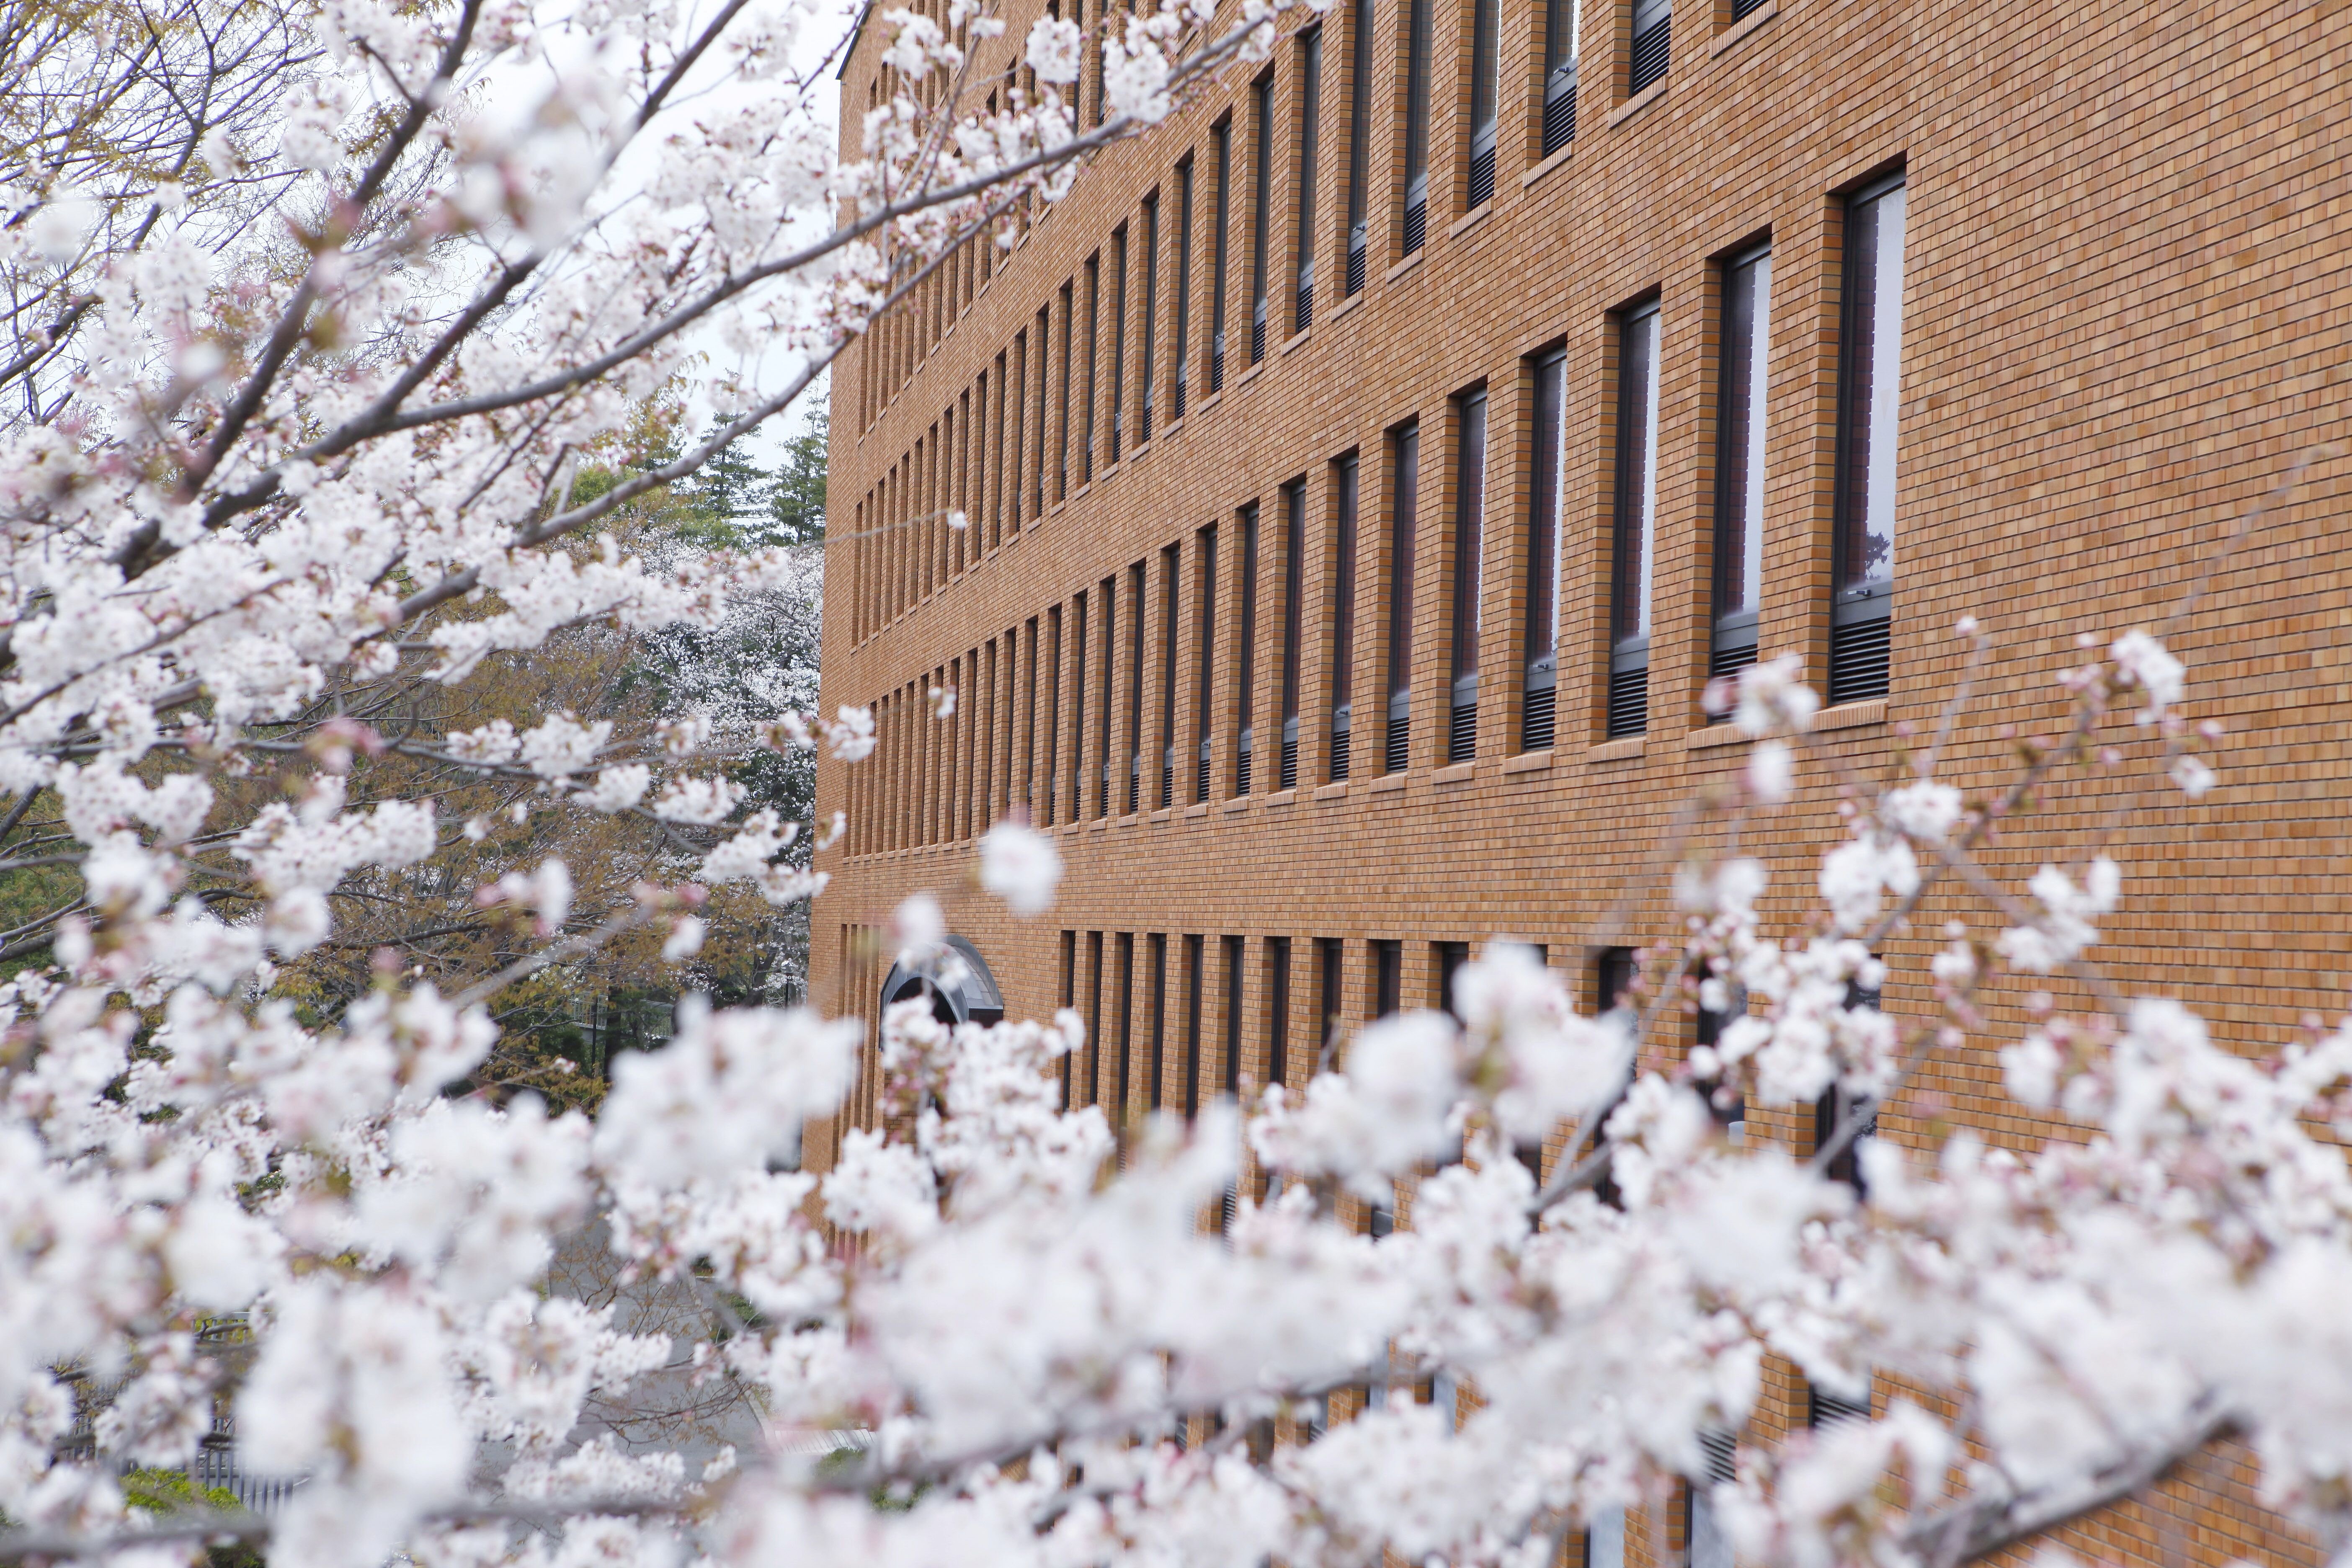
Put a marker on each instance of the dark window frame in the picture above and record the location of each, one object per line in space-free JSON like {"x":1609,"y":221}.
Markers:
{"x":1467,"y":615}
{"x":1403,"y":530}
{"x":1862,"y":604}
{"x":1634,"y":516}
{"x":1540,"y":625}
{"x":1294,"y":552}
{"x":1347,"y":483}
{"x":1743,"y":357}
{"x":1310,"y":115}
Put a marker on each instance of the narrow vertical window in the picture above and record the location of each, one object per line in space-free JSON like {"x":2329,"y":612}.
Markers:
{"x":1613,"y":976}
{"x":1233,"y":945}
{"x":1706,"y":1544}
{"x":1094,"y":346}
{"x":1653,"y":32}
{"x":1037,"y":441}
{"x":1469,"y":556}
{"x":1118,"y":339}
{"x":1158,"y":1059}
{"x":1245,"y":691}
{"x":1540,"y":682}
{"x":1106,"y":692}
{"x":1559,"y":75}
{"x":1310,"y":110}
{"x":1062,"y":423}
{"x":1053,"y":710}
{"x":1451,"y":956}
{"x":1180,"y":368}
{"x":1204,"y":617}
{"x":1635,"y":519}
{"x":1360,"y":119}
{"x":999,"y":487}
{"x":1294,"y":552}
{"x":1330,"y":959}
{"x":1741,"y":364}
{"x":1168,"y":561}
{"x":1016,"y":446}
{"x":1388,"y":978}
{"x":1078,"y":706}
{"x":1261,"y":209}
{"x":1870,"y":360}
{"x":1221,"y":137}
{"x":1069,"y":999}
{"x":1193,"y":957}
{"x":1416,"y":124}
{"x":1398,"y":747}
{"x":1123,"y":1066}
{"x":1277,"y":1009}
{"x":1343,"y":619}
{"x":1485,"y":62}
{"x":1150,"y":339}
{"x":1093,"y":1086}
{"x":1028,"y":651}
{"x":1135,"y":688}
{"x":1102,"y":21}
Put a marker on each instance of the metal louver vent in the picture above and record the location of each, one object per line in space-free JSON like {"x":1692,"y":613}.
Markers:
{"x":1560,"y":112}
{"x":1217,"y":363}
{"x":1257,"y":333}
{"x":1134,"y":785}
{"x":1400,"y":744}
{"x":1306,"y":314}
{"x":1355,"y":261}
{"x":1535,"y":721}
{"x":1653,"y":52}
{"x":1289,"y":763}
{"x":1461,"y":733}
{"x":1168,"y":778}
{"x":1176,"y":396}
{"x":1241,"y":775}
{"x":1339,"y":757}
{"x":1629,"y":702}
{"x":1730,"y":661}
{"x":1742,"y":7}
{"x":1827,"y":1409}
{"x":1416,"y":227}
{"x":1482,"y":177}
{"x":1859,"y":658}
{"x":1200,"y":776}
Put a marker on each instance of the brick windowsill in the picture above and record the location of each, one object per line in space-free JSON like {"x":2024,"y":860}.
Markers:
{"x":1633,"y":106}
{"x":1852,"y":715}
{"x":1732,"y":36}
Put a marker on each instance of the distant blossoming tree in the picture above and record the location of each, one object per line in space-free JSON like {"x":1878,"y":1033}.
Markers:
{"x":315,"y":320}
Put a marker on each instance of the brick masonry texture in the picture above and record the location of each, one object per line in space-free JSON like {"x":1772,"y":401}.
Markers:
{"x":2125,"y":319}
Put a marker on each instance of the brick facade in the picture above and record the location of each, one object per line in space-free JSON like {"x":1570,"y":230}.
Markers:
{"x":2124,"y":319}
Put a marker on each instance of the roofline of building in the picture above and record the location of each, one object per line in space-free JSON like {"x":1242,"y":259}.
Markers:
{"x":851,"y":47}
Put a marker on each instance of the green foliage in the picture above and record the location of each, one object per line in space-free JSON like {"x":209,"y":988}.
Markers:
{"x":735,"y":502}
{"x":796,"y":499}
{"x":171,"y":1491}
{"x":167,"y":1492}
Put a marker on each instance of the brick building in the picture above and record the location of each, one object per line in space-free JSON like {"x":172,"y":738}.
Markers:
{"x":1366,"y":470}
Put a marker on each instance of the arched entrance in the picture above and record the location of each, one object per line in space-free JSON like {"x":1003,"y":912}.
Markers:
{"x":972,"y":997}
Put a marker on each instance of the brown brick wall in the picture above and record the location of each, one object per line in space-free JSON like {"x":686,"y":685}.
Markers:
{"x":2125,"y":316}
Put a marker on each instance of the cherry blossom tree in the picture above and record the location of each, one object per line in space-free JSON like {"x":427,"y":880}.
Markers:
{"x":317,"y":320}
